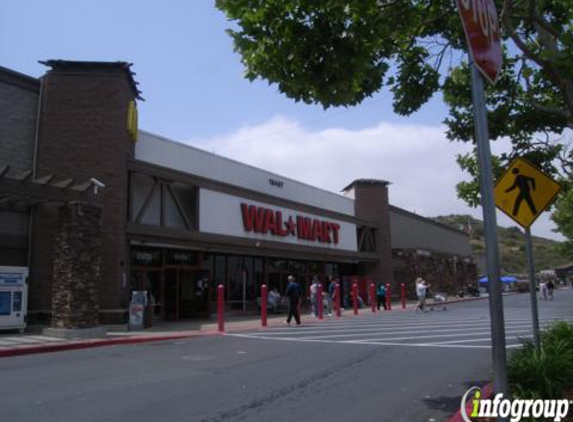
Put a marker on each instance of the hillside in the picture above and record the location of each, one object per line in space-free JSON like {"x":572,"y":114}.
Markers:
{"x":511,"y":245}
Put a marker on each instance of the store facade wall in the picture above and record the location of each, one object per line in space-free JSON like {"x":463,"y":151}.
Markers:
{"x":425,"y":248}
{"x":177,"y":220}
{"x":245,"y":226}
{"x":410,"y":230}
{"x":18,"y":112}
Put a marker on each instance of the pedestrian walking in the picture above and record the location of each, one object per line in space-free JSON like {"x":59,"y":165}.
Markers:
{"x":550,"y":288}
{"x":381,"y":296}
{"x":543,"y":290}
{"x":293,"y":292}
{"x":421,"y":292}
{"x":314,"y":301}
{"x":331,"y":295}
{"x":274,"y":300}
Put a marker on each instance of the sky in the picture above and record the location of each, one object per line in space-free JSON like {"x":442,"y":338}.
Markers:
{"x":195,"y":92}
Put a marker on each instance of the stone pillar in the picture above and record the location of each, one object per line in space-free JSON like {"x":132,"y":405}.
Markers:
{"x":371,"y":204}
{"x":77,"y":267}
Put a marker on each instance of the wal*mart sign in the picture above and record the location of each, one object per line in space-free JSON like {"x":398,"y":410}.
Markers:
{"x":267,"y":221}
{"x":481,"y":25}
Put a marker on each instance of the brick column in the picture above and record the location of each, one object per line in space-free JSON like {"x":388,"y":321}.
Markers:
{"x":83,"y":134}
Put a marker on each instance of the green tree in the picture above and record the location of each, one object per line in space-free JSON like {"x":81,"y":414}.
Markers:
{"x":338,"y":52}
{"x":563,"y":218}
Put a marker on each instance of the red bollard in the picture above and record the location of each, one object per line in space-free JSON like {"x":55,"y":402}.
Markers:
{"x":319,"y":303}
{"x":373,"y":297}
{"x":355,"y":298}
{"x":221,"y":307}
{"x":264,"y":297}
{"x":388,"y":297}
{"x":403,"y":294}
{"x":337,"y":298}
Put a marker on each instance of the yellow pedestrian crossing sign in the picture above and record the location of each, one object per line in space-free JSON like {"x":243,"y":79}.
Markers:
{"x":523,"y":192}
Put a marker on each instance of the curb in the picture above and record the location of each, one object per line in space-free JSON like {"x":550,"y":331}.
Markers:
{"x":86,"y":344}
{"x":487,"y":392}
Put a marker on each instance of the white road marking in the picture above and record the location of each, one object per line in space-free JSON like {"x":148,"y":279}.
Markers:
{"x":482,"y":339}
{"x":465,"y":330}
{"x":457,"y":328}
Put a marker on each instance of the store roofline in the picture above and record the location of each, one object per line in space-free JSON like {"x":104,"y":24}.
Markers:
{"x":335,"y":194}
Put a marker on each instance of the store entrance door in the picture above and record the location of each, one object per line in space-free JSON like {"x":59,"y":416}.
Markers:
{"x":156,"y":289}
{"x":194,"y":293}
{"x":278,"y":280}
{"x":186,"y":293}
{"x":171,"y":277}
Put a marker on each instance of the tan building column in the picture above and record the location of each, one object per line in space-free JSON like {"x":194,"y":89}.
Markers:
{"x":371,"y":204}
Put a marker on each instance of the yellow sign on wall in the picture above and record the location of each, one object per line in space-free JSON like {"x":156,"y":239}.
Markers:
{"x":523,"y":192}
{"x":132,"y":120}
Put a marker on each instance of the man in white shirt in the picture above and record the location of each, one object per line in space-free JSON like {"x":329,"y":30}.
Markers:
{"x":421,"y":291}
{"x":314,"y":301}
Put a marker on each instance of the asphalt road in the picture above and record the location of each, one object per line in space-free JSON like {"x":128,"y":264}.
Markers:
{"x":395,"y":366}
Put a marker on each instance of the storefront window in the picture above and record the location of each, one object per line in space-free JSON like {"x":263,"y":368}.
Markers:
{"x":147,"y":257}
{"x":241,"y":285}
{"x":316,"y":267}
{"x":277,"y":264}
{"x":258,"y":272}
{"x":206,"y":261}
{"x":220,"y":270}
{"x":180,"y":257}
{"x":328,"y":269}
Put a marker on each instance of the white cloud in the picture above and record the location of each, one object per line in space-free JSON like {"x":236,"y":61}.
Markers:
{"x":418,"y":160}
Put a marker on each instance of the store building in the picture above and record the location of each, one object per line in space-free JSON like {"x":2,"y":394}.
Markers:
{"x":176,"y":220}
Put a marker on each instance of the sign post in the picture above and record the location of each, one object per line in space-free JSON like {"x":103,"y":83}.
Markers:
{"x":490,"y":232}
{"x":480,"y":22}
{"x":523,"y":192}
{"x":532,"y":291}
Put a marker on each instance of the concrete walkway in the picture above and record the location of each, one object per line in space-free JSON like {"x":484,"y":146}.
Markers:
{"x":33,"y":341}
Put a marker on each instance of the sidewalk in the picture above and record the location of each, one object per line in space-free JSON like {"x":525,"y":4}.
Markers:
{"x":31,"y":342}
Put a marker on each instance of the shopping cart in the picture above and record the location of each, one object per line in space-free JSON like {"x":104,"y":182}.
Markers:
{"x":440,"y":300}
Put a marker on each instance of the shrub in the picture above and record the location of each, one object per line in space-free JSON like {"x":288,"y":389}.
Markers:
{"x":559,"y":330}
{"x":547,"y":373}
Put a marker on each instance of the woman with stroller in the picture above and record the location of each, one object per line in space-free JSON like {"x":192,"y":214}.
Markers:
{"x":421,"y":292}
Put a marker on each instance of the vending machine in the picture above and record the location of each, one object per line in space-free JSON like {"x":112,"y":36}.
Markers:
{"x":13,"y":298}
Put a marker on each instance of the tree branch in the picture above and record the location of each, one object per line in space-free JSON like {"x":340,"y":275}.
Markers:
{"x":545,"y":65}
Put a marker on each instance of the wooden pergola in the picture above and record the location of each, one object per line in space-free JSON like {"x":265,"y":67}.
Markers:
{"x":20,"y":191}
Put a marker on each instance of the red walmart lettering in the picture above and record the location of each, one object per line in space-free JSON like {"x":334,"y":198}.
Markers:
{"x":264,"y":220}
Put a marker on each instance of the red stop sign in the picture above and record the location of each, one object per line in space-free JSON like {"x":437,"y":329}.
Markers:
{"x":481,"y":26}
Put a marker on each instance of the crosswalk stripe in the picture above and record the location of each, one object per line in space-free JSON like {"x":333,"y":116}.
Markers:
{"x":466,"y":330}
{"x":482,"y":339}
{"x":439,"y":336}
{"x":458,"y":327}
{"x":374,"y":327}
